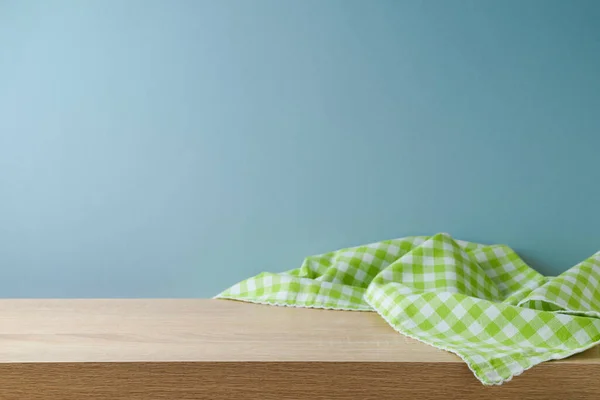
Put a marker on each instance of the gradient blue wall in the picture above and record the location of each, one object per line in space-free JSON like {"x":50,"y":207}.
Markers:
{"x":171,"y":148}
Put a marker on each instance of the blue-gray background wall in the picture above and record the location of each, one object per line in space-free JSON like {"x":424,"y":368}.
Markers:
{"x":172,"y":148}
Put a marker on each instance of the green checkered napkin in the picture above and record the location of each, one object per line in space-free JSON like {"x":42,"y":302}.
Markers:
{"x":480,"y":302}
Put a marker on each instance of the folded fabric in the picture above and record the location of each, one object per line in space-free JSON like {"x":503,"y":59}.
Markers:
{"x":480,"y":302}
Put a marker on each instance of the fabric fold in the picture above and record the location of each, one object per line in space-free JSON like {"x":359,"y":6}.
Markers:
{"x":483,"y":303}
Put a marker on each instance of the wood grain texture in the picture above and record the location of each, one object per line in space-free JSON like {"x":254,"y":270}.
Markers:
{"x":286,"y":380}
{"x":217,"y":349}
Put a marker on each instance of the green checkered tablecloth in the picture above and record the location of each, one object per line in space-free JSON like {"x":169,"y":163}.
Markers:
{"x":480,"y":302}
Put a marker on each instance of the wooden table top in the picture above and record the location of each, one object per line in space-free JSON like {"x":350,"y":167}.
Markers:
{"x":203,"y":330}
{"x":222,"y":350}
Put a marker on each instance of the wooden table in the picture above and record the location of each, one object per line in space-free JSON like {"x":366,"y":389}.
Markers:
{"x":219,"y":349}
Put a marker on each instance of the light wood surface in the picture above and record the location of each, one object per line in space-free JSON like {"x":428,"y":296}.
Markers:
{"x":219,"y":349}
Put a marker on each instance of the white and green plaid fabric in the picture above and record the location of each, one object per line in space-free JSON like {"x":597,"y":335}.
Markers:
{"x":480,"y":302}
